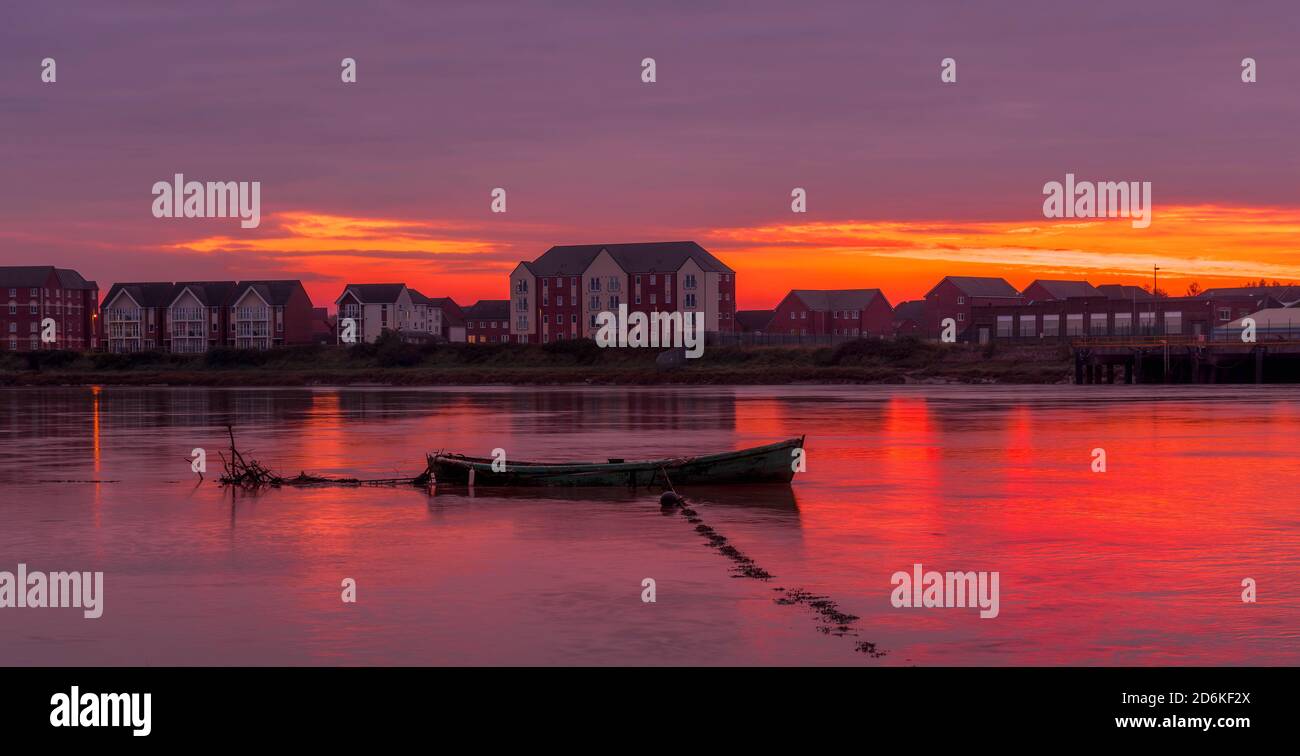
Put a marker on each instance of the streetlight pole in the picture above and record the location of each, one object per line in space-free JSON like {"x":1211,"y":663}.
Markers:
{"x":1155,"y":293}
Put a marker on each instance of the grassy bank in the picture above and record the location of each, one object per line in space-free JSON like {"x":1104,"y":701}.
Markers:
{"x":564,"y":362}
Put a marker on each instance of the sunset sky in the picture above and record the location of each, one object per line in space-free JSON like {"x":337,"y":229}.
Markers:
{"x":908,"y":179}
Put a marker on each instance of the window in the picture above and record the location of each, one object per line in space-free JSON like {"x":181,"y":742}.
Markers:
{"x":1147,"y":323}
{"x":652,"y":282}
{"x":1097,"y":324}
{"x":961,"y":300}
{"x":573,"y":318}
{"x":1074,"y":324}
{"x":803,"y":314}
{"x":1225,"y":314}
{"x":638,"y":297}
{"x":614,"y":283}
{"x":792,"y":317}
{"x":1028,"y":326}
{"x":594,"y":303}
{"x":35,"y":292}
{"x":613,"y":302}
{"x":961,"y":317}
{"x":638,"y":280}
{"x":1123,"y":323}
{"x":668,"y":296}
{"x":1004,"y":326}
{"x":593,"y":284}
{"x":31,"y":309}
{"x":546,"y":283}
{"x":652,"y":298}
{"x":559,"y":301}
{"x":690,"y":301}
{"x":546,"y":300}
{"x":559,"y":283}
{"x":690,"y":280}
{"x":1173,"y":323}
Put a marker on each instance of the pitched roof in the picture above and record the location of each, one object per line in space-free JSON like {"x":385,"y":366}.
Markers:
{"x":825,"y":300}
{"x":641,"y":257}
{"x":444,"y":302}
{"x":210,"y":293}
{"x":913,"y":309}
{"x":71,"y":279}
{"x":1123,"y":291}
{"x":274,"y":292}
{"x":1284,"y":294}
{"x":1066,"y":289}
{"x":146,"y":294}
{"x":25,"y":276}
{"x":754,"y":320}
{"x":488,"y":309}
{"x":28,"y":276}
{"x":381,"y":293}
{"x":980,"y":286}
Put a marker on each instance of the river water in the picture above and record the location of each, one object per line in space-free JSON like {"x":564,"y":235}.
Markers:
{"x":1141,"y":564}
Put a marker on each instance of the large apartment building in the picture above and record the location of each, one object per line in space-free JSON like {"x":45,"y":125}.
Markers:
{"x":558,"y":295}
{"x":195,"y":316}
{"x":34,"y":293}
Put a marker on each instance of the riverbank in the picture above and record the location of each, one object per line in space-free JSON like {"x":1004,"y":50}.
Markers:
{"x":565,"y":362}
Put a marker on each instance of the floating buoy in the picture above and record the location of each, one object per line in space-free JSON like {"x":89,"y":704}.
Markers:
{"x":670,"y":500}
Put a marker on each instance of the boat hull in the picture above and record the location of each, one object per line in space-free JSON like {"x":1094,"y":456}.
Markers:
{"x":773,"y":463}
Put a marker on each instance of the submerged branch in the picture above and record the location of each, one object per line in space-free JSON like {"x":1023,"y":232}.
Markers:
{"x":246,"y":473}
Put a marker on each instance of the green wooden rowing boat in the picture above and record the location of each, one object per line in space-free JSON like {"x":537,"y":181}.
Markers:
{"x":773,"y":463}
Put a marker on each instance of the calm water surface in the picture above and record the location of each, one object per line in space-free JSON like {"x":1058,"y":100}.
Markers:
{"x":1140,"y":565}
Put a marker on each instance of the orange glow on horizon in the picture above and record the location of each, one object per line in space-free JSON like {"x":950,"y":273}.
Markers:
{"x":1213,"y":245}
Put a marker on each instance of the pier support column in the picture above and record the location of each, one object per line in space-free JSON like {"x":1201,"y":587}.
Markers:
{"x":1110,"y":373}
{"x":1128,"y":370}
{"x":1259,"y":365}
{"x":1078,"y":369}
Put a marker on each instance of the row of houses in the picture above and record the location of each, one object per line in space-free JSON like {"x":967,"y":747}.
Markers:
{"x":558,"y":296}
{"x":984,"y":309}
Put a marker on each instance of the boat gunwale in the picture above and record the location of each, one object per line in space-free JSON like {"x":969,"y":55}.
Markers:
{"x":478,"y":463}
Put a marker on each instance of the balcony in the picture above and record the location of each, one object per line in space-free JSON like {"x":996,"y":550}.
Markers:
{"x":251,"y":313}
{"x":186,"y":314}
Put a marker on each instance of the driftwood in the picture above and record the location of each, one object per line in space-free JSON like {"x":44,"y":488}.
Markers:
{"x":249,"y":473}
